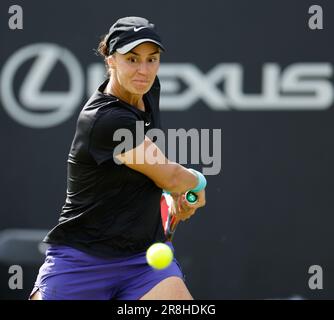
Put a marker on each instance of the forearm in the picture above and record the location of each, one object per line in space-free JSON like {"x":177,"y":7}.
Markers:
{"x":166,"y":174}
{"x":181,"y":180}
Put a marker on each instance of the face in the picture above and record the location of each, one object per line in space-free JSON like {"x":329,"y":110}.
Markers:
{"x":135,"y":71}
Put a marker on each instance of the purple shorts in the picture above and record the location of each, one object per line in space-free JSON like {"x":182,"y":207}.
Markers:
{"x":70,"y":274}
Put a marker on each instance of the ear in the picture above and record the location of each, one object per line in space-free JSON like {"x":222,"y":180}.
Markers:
{"x":111,"y":62}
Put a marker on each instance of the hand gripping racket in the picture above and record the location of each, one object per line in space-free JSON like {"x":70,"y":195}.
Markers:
{"x":169,"y":220}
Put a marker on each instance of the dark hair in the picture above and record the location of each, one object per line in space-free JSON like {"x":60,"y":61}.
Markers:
{"x":103,"y":50}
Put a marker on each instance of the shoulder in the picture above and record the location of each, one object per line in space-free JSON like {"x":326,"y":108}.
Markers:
{"x":111,"y":118}
{"x":153,"y":96}
{"x":155,"y":89}
{"x":115,"y":113}
{"x":156,"y":84}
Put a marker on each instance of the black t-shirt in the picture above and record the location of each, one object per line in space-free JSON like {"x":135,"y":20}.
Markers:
{"x":110,"y":209}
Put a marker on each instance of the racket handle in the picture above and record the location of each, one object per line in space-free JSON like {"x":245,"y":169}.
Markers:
{"x":191,"y":197}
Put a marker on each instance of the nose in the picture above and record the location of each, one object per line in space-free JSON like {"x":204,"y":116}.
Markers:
{"x":143,"y":68}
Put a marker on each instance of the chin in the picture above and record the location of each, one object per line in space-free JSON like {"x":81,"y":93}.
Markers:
{"x":141,"y":90}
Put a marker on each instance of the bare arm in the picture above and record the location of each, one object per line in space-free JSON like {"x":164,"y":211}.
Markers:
{"x":149,"y":160}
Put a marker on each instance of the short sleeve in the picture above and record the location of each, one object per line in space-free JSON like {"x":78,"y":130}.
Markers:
{"x":113,"y":130}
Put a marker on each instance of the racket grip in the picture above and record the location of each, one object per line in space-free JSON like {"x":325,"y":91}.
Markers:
{"x":191,"y":197}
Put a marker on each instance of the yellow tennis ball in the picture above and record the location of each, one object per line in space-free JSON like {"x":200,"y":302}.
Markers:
{"x":159,"y":255}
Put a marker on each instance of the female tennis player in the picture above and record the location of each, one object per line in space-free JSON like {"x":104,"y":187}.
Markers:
{"x":112,"y":210}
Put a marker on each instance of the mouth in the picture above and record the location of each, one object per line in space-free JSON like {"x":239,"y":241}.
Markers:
{"x":142,"y":82}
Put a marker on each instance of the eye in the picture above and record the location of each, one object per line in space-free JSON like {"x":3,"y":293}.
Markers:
{"x":153,"y":59}
{"x":132,"y":59}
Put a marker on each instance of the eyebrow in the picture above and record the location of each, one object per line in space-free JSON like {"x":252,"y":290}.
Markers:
{"x":151,"y":54}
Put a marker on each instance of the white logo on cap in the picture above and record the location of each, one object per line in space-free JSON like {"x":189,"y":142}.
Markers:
{"x":137,"y":29}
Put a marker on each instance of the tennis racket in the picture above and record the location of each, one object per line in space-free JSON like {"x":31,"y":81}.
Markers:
{"x":169,"y":220}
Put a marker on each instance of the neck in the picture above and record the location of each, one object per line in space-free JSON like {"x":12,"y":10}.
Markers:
{"x":116,"y":90}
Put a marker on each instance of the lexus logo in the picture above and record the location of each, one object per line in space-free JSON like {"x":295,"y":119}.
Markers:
{"x":34,"y":107}
{"x":298,"y":86}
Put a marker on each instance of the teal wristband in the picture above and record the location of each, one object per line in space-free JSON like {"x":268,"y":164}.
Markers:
{"x":201,"y":181}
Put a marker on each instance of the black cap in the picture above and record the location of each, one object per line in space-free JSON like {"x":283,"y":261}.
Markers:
{"x":127,"y":33}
